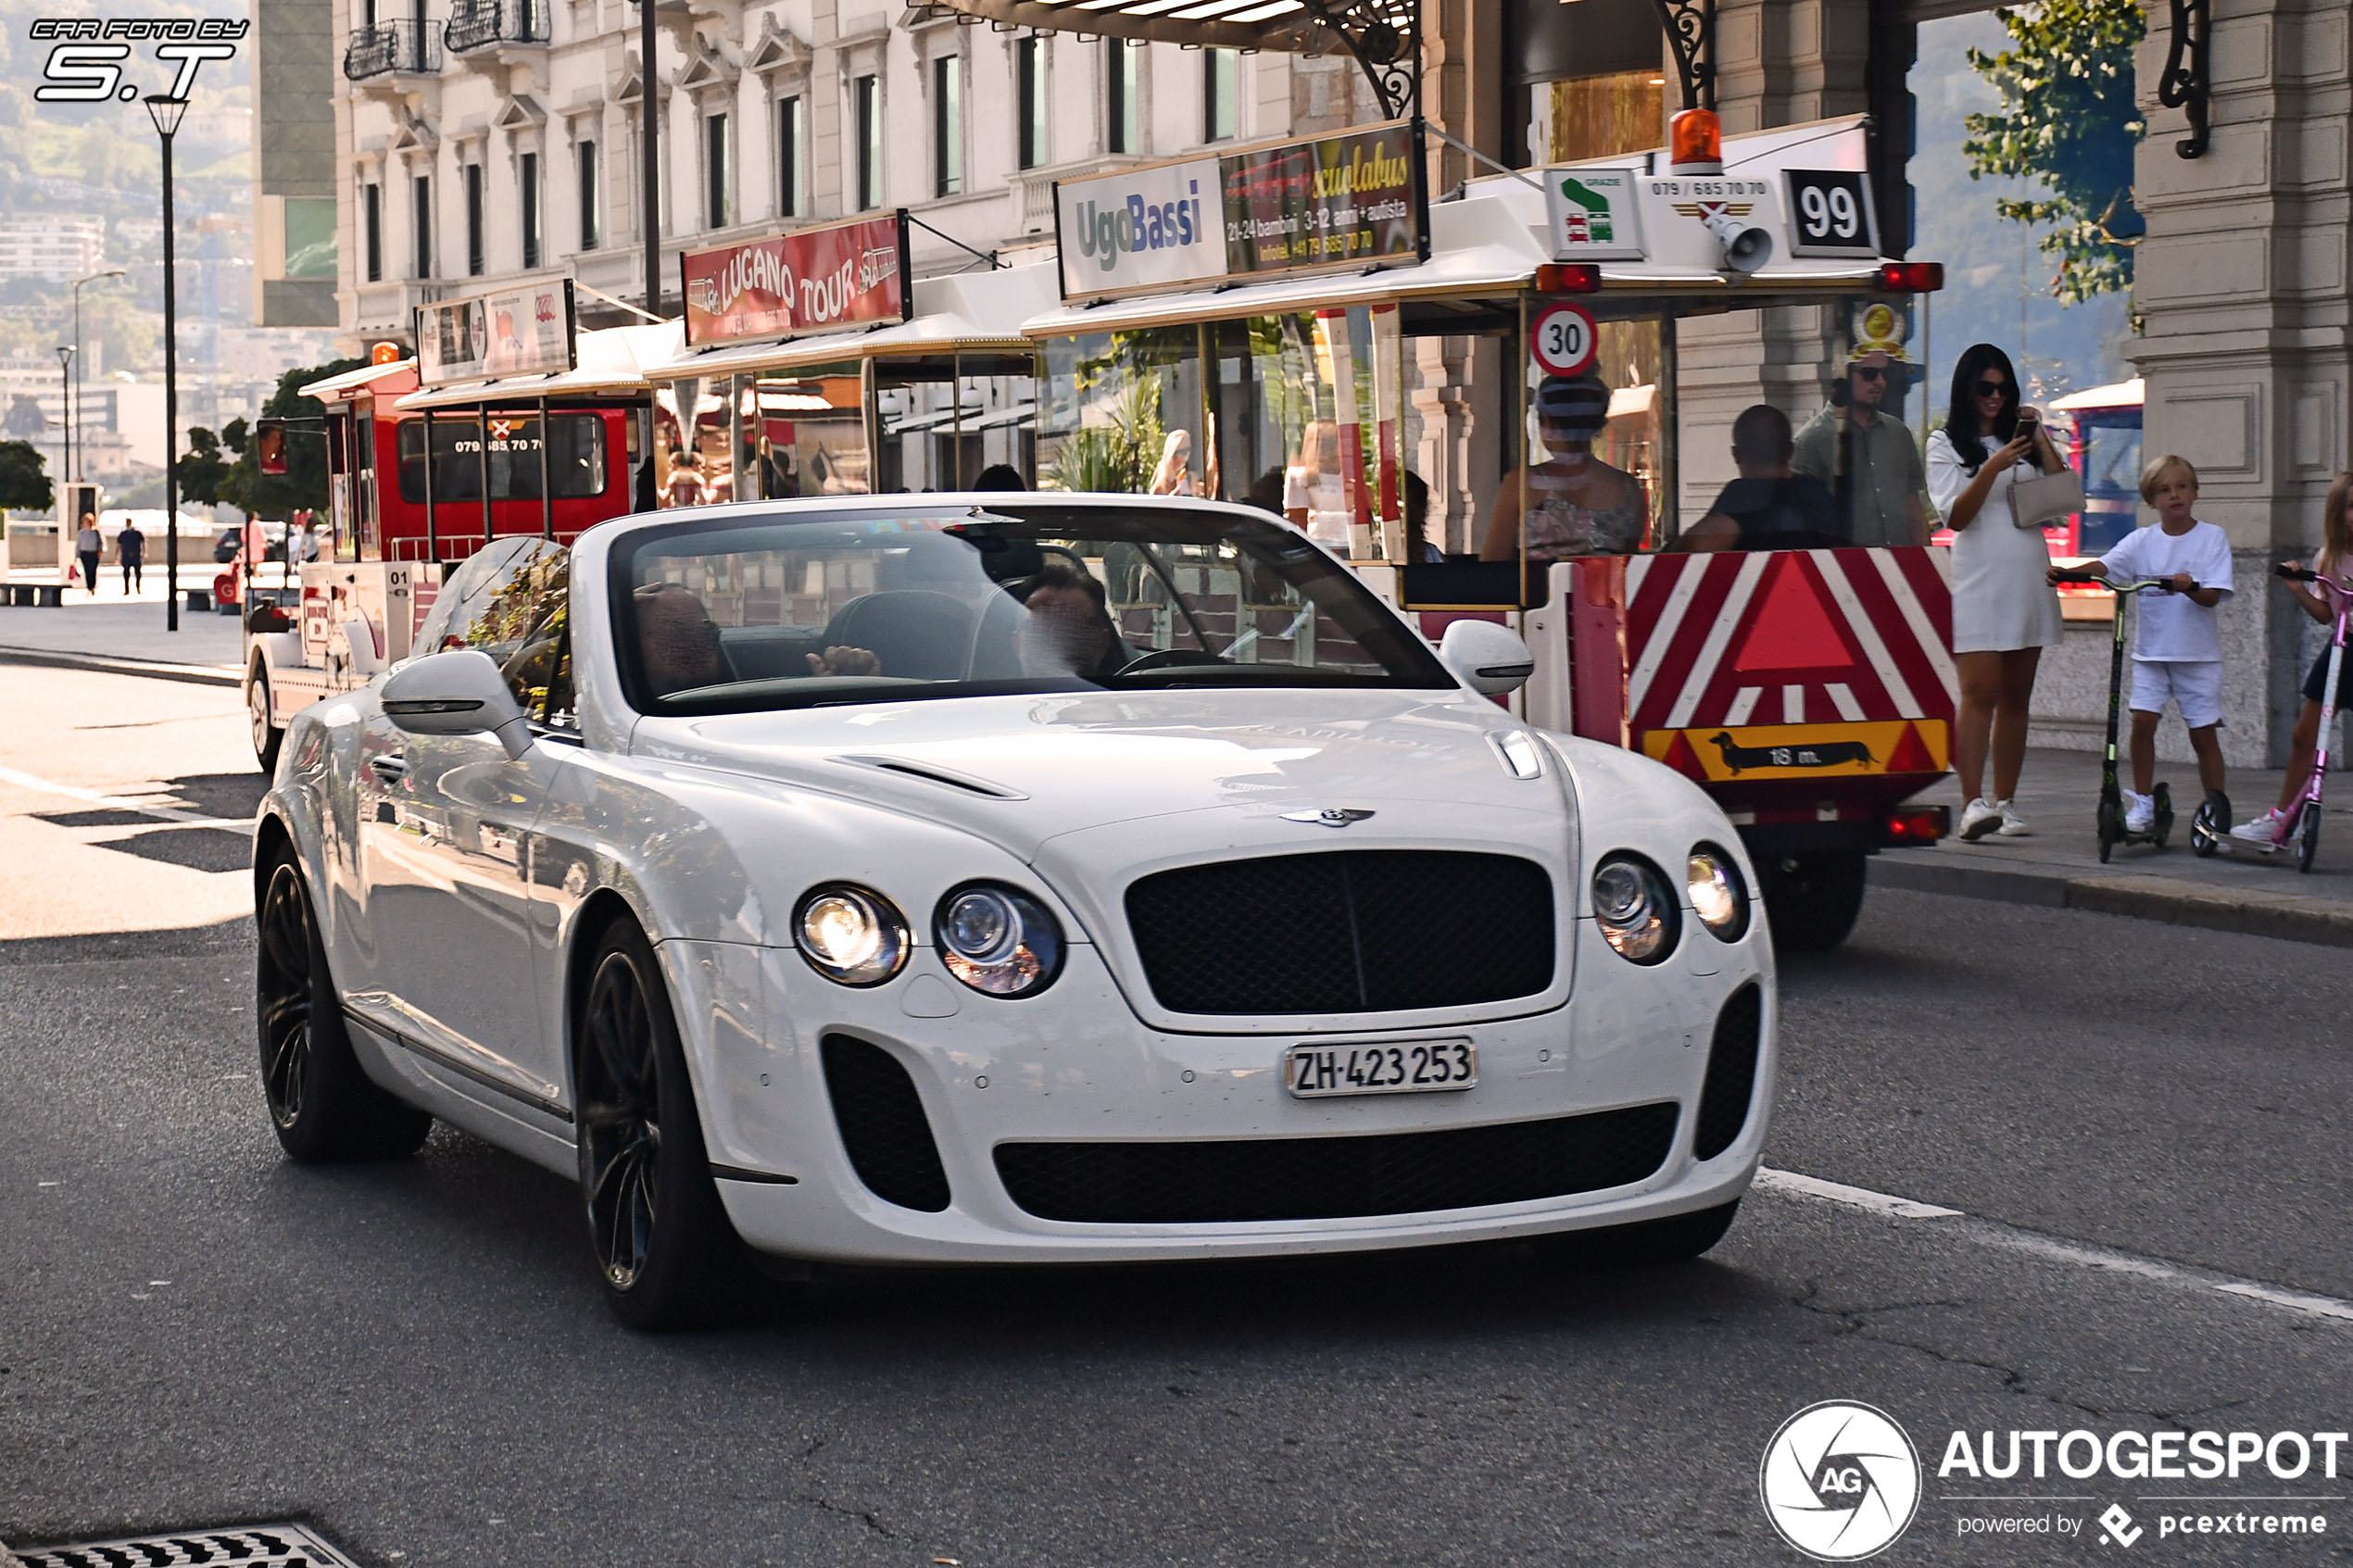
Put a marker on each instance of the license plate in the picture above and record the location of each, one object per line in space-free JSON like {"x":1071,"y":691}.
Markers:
{"x":1403,"y":1066}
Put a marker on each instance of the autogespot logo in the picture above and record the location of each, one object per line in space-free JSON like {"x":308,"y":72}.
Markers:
{"x":1840,"y":1480}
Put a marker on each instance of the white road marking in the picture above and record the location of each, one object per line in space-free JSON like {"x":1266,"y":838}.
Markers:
{"x":1993,"y":1233}
{"x":91,"y":797}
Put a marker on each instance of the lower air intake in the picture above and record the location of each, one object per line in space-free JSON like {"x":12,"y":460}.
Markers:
{"x":882,"y":1125}
{"x":1731,"y":1074}
{"x":1336,"y":1178}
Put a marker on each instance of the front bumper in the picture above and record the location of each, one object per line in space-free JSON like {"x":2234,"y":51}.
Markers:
{"x":1076,"y":1065}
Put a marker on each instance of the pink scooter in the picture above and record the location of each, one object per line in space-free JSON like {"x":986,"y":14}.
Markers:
{"x":2303,"y":828}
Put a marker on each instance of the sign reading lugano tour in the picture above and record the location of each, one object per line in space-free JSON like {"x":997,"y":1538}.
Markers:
{"x":819,"y":279}
{"x":1354,"y":199}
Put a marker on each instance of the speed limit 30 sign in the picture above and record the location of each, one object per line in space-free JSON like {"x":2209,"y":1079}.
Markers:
{"x":1561,"y":340}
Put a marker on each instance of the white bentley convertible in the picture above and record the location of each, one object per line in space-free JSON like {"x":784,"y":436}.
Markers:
{"x":1001,"y":878}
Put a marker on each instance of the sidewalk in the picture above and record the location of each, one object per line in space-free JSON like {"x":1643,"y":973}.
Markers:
{"x":117,"y":631}
{"x":2060,"y":866}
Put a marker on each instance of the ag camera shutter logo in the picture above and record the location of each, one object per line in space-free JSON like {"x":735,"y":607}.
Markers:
{"x":1839,"y":1481}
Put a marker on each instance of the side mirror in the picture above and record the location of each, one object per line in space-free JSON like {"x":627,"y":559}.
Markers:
{"x":457,"y":693}
{"x":1491,"y":659}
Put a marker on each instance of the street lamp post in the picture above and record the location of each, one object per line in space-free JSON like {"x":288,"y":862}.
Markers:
{"x":649,"y":155}
{"x":80,"y":457}
{"x":65,"y":420}
{"x":166,"y":112}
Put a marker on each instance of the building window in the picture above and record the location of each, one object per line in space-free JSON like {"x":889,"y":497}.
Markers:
{"x":791,"y":135}
{"x":1121,"y":129}
{"x":371,"y":230}
{"x":714,"y":164}
{"x":527,"y":172}
{"x":868,"y":98}
{"x":1221,"y":81}
{"x":420,"y":223}
{"x":1029,"y":70}
{"x":474,"y":259}
{"x":947,"y":126}
{"x":591,"y":205}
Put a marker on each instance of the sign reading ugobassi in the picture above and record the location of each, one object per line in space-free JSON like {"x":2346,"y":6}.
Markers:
{"x":820,"y":280}
{"x":518,"y":331}
{"x":1350,"y":200}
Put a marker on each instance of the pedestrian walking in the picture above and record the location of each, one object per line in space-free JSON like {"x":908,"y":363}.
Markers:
{"x":1864,"y":457}
{"x":2333,"y":565}
{"x":2004,"y":614}
{"x":131,"y":549}
{"x":2177,"y":647}
{"x":90,"y":545}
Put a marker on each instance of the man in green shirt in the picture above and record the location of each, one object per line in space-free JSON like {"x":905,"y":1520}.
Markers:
{"x":1867,"y":459}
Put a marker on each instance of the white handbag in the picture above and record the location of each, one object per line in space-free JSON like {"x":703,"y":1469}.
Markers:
{"x":2046,"y":497}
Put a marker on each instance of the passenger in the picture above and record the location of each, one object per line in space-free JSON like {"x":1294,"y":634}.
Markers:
{"x":1866,"y":457}
{"x":1266,"y":493}
{"x":1069,"y":631}
{"x":999,"y":476}
{"x":678,"y":641}
{"x":1419,"y":548}
{"x":1768,"y":508}
{"x":1581,"y":506}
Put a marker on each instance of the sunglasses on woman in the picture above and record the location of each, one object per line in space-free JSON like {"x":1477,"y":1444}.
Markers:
{"x":1992,"y":388}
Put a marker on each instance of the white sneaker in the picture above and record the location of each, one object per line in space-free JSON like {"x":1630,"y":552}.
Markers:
{"x":1979,"y":817}
{"x":2013,"y":825}
{"x":2140,"y":812}
{"x":2271,"y":828}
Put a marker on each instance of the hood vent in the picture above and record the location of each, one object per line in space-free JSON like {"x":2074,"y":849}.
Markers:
{"x":970,"y":784}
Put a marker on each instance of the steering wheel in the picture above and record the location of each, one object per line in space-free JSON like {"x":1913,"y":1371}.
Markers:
{"x":1167,"y":659}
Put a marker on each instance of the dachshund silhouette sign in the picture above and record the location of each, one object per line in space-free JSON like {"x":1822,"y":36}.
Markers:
{"x":1739,"y":758}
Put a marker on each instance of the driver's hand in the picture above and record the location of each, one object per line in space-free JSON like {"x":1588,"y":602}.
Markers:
{"x":844,"y":661}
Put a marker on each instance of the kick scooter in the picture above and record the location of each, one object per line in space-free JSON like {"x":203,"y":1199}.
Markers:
{"x":2303,"y":827}
{"x":2213,"y":813}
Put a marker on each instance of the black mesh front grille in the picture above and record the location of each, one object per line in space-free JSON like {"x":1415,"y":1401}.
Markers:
{"x":1336,"y":1178}
{"x":883,"y":1125}
{"x":1346,"y":930}
{"x":1731,"y":1074}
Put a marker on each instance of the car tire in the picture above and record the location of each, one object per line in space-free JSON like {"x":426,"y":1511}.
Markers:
{"x":1811,"y":899}
{"x":268,"y":738}
{"x":666,"y":1252}
{"x":1676,"y":1239}
{"x":323,"y":1105}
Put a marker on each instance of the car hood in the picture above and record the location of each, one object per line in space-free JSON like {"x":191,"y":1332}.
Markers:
{"x":1024,"y":771}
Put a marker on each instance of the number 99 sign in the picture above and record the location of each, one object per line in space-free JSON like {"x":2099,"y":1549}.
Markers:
{"x":1561,"y":340}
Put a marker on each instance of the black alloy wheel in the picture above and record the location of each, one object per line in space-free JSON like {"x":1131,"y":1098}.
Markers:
{"x":267,"y":738}
{"x":665,"y":1250}
{"x":320,"y":1102}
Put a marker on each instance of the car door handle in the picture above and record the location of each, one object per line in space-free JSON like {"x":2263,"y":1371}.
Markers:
{"x":388,"y":766}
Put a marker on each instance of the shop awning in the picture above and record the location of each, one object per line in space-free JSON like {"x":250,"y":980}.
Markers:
{"x":964,"y":313}
{"x":1221,"y":25}
{"x":610,"y":364}
{"x":931,"y":419}
{"x":2116,"y":394}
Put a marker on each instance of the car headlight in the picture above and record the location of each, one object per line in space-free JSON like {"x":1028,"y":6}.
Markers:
{"x":999,"y":941}
{"x":1636,"y":910}
{"x":1718,"y":895}
{"x":851,"y":935}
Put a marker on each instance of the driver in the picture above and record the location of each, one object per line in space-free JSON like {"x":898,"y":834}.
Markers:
{"x":1069,"y":630}
{"x":678,"y":642}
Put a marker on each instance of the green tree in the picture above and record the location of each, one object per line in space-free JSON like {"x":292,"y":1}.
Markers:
{"x":24,"y":478}
{"x":203,"y":469}
{"x":2068,"y":120}
{"x":304,"y":483}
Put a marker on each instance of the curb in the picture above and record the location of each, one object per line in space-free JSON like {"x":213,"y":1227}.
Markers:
{"x":154,"y":669}
{"x":2285,"y":916}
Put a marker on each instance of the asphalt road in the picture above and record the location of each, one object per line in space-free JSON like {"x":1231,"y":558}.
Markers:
{"x":2144,"y":1127}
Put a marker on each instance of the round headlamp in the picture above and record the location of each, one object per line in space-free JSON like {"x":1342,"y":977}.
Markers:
{"x":1635,"y":909}
{"x":998,"y":941}
{"x":851,"y":935}
{"x":1718,"y":895}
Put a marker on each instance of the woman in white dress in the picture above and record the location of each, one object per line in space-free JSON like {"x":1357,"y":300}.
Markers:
{"x":2004,"y":614}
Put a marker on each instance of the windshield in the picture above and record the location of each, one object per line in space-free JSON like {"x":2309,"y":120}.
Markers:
{"x":793,"y":611}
